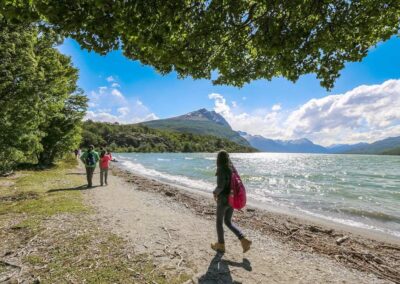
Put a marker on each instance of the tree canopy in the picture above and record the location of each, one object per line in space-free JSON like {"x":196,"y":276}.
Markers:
{"x":41,"y":106}
{"x":238,"y":40}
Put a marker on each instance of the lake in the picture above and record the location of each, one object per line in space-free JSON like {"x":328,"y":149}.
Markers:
{"x":357,"y":190}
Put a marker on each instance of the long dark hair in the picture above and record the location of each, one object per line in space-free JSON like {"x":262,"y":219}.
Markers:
{"x":102,"y":153}
{"x":223,"y":162}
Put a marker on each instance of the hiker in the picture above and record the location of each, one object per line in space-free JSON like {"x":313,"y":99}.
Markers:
{"x":109,"y":154}
{"x":90,"y":159}
{"x":224,"y":209}
{"x":104,"y":163}
{"x":76,"y":152}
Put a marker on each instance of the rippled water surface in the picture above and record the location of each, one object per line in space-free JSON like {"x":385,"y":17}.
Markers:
{"x":358,"y":190}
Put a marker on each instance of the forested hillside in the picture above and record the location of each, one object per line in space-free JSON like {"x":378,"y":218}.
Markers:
{"x":140,"y":138}
{"x":394,"y":151}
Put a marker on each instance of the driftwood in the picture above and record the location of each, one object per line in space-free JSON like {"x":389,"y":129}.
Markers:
{"x":342,"y":240}
{"x":169,"y":235}
{"x":316,"y":229}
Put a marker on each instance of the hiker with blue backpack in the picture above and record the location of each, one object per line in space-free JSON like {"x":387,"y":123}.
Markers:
{"x":90,"y":159}
{"x":229,"y":194}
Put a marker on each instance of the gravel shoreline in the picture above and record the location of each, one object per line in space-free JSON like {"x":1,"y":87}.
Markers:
{"x":360,"y":252}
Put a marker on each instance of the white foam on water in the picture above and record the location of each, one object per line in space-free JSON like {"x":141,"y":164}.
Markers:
{"x":350,"y":223}
{"x":177,"y":179}
{"x":276,"y":190}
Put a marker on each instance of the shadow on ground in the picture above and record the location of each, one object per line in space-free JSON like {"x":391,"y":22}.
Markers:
{"x":218,"y":271}
{"x":81,"y":174}
{"x":81,"y":187}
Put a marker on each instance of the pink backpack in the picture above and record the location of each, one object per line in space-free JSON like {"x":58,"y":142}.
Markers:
{"x":237,"y":196}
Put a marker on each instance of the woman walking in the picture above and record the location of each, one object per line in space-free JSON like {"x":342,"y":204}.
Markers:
{"x":224,"y":210}
{"x":104,"y":163}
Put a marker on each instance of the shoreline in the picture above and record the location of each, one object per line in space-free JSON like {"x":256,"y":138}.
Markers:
{"x":359,"y":248}
{"x":306,"y":217}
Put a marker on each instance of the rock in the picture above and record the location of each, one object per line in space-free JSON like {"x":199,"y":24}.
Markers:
{"x":169,"y":193}
{"x":251,"y":210}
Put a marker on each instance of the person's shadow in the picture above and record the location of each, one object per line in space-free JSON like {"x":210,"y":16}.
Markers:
{"x":218,"y":271}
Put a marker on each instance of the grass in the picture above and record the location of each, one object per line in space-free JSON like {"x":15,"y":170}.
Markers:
{"x":32,"y":194}
{"x":45,"y":223}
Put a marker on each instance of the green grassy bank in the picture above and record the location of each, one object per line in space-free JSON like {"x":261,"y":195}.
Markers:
{"x":49,"y":235}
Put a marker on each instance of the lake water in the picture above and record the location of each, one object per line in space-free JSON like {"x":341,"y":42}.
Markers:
{"x":357,"y":190}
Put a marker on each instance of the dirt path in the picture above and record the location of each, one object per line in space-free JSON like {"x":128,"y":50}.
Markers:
{"x":180,"y":241}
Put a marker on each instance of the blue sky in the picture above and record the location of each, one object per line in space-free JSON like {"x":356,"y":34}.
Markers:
{"x":126,"y":91}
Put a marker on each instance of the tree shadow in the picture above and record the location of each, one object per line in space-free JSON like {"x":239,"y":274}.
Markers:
{"x":80,"y":174}
{"x":81,"y":187}
{"x":218,"y":271}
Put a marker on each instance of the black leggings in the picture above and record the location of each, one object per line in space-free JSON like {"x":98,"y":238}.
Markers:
{"x":224,"y":214}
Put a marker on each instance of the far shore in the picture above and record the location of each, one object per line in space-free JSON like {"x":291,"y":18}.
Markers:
{"x":357,"y":248}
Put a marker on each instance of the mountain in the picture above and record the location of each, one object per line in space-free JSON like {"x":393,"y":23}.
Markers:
{"x":202,"y":122}
{"x":204,"y":115}
{"x":377,"y":147}
{"x":388,"y":146}
{"x":343,"y":148}
{"x":283,"y":146}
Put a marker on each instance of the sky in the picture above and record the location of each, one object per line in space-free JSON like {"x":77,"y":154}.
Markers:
{"x":364,"y":105}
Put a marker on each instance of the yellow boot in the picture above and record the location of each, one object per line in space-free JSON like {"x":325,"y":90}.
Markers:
{"x":245,"y":244}
{"x":218,"y":247}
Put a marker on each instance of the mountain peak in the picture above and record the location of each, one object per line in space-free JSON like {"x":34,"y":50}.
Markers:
{"x":301,"y":141}
{"x":204,"y":114}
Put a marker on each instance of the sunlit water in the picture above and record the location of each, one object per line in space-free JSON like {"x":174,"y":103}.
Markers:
{"x":357,"y":190}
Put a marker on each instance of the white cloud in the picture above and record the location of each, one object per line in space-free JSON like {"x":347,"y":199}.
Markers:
{"x":108,"y":104}
{"x":117,"y":93}
{"x":220,"y":104}
{"x":100,"y":116}
{"x":259,"y":121}
{"x":123,"y":110}
{"x":366,"y":113}
{"x":276,"y":107}
{"x":115,"y":85}
{"x":110,"y":79}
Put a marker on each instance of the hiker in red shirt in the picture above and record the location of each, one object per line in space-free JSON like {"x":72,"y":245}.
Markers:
{"x":104,"y":163}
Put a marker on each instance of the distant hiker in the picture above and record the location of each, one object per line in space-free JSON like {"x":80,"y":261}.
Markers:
{"x":109,"y":153}
{"x":104,"y":163}
{"x":224,"y":209}
{"x":76,"y":152}
{"x":90,"y":159}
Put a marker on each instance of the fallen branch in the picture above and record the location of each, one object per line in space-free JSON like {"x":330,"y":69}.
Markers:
{"x":5,"y":263}
{"x":181,"y":260}
{"x":341,"y":240}
{"x":390,"y":247}
{"x":169,"y":235}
